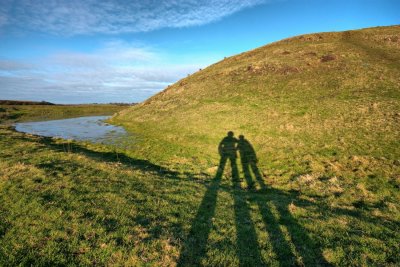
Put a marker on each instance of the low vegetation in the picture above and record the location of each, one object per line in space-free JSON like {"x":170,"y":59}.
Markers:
{"x":75,"y":203}
{"x":10,"y":113}
{"x":18,"y":102}
{"x":321,"y":111}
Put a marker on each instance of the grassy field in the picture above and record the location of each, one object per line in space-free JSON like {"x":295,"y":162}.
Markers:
{"x":68,"y":203}
{"x":16,"y":113}
{"x":322,"y":112}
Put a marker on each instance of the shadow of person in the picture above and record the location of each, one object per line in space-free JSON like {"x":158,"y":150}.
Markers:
{"x":277,"y":238}
{"x":249,"y":160}
{"x":227,"y":150}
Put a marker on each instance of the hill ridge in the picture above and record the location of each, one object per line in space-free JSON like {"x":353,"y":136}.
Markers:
{"x":300,"y":94}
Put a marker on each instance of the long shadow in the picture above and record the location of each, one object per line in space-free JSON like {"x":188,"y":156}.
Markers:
{"x":145,"y":165}
{"x":249,"y":160}
{"x":295,"y":240}
{"x":304,"y":246}
{"x":248,"y":250}
{"x":138,"y":164}
{"x":294,"y":247}
{"x":289,"y":245}
{"x":194,"y":248}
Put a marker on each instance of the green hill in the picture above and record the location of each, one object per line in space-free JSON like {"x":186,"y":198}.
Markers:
{"x":322,"y":112}
{"x":306,"y":103}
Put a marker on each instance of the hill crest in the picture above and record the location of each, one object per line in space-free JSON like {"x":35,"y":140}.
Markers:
{"x":334,"y":93}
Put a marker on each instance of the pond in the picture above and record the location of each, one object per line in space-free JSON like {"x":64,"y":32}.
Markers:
{"x":92,"y":128}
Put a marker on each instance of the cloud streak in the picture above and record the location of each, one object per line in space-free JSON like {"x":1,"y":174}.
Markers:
{"x":76,"y":17}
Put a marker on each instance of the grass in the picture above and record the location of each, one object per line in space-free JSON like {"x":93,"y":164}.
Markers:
{"x":17,"y":113}
{"x":69,"y":203}
{"x":301,"y":113}
{"x":327,"y":193}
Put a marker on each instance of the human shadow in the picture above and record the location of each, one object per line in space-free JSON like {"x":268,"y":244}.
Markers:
{"x":247,"y":247}
{"x":290,"y":242}
{"x":194,"y":248}
{"x":294,"y":245}
{"x":227,"y":150}
{"x":248,"y":159}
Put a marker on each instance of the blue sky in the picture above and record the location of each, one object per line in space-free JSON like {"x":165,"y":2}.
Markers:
{"x":127,"y":50}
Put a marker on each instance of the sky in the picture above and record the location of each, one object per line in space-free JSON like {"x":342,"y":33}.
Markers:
{"x":102,"y":51}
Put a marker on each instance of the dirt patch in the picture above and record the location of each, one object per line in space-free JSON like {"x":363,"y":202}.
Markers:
{"x":393,"y":39}
{"x":311,"y":37}
{"x":328,"y":57}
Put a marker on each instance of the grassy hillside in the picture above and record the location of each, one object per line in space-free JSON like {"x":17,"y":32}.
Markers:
{"x":322,"y":112}
{"x":318,"y":103}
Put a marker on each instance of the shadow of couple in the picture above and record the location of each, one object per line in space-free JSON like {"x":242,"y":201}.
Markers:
{"x":228,"y":148}
{"x":276,"y":238}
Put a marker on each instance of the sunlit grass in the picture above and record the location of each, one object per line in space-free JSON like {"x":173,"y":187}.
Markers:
{"x":77,"y":203}
{"x":326,"y":135}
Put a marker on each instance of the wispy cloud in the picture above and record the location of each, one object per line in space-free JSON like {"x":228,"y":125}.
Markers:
{"x":74,"y":17}
{"x":117,"y":72}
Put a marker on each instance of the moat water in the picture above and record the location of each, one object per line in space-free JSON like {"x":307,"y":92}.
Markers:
{"x":92,"y":128}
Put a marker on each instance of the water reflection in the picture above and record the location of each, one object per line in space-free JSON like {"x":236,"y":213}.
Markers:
{"x":91,"y":128}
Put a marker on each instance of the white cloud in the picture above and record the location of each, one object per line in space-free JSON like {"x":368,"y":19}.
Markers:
{"x":117,"y":72}
{"x":115,"y":16}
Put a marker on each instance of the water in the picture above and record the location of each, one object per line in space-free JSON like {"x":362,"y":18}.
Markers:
{"x":92,"y":129}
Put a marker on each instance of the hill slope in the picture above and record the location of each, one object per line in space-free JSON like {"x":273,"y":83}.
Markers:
{"x":322,"y":112}
{"x":325,"y":94}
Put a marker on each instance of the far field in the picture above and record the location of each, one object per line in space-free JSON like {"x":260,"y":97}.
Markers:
{"x":17,"y":113}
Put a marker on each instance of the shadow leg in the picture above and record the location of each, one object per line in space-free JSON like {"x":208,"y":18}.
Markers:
{"x":221,"y":167}
{"x":247,"y":175}
{"x":194,"y":247}
{"x":305,"y":247}
{"x":235,"y":171}
{"x":256,"y":171}
{"x":247,"y":247}
{"x":310,"y":252}
{"x":258,"y":175}
{"x":280,"y":245}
